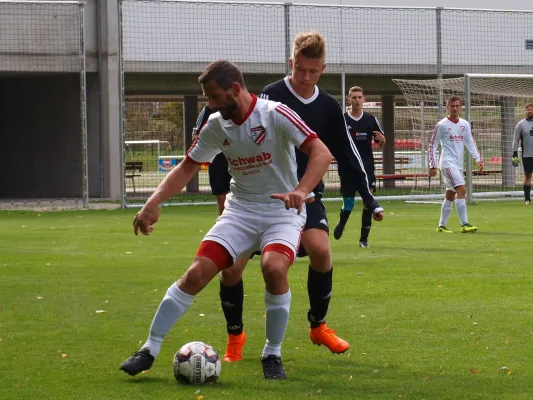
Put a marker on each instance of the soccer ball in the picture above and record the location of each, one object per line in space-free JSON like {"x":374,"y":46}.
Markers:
{"x":196,"y":363}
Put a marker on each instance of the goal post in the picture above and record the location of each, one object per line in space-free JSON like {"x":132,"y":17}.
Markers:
{"x":493,"y":104}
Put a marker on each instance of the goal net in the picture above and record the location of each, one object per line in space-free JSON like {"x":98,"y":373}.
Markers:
{"x":493,"y":104}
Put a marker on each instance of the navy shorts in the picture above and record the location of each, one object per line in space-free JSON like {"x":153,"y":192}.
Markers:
{"x":316,"y":219}
{"x":348,"y":186}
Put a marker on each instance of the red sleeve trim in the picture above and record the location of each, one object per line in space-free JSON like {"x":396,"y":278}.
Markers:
{"x":295,"y":119}
{"x":188,"y":157}
{"x":315,"y":136}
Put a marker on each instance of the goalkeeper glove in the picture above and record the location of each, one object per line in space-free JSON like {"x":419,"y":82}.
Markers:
{"x":516,"y":160}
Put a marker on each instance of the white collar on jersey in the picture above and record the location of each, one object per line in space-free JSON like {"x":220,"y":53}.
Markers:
{"x":305,"y":101}
{"x":355,"y":119}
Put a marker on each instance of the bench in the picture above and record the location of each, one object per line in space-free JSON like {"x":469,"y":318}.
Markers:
{"x":399,"y":163}
{"x":133,"y":169}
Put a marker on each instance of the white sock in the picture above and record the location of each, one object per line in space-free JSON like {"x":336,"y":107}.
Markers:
{"x":460,"y":204}
{"x":445,"y":212}
{"x":173,"y":306}
{"x":277,"y":319}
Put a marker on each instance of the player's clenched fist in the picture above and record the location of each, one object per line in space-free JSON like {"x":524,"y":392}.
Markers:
{"x":145,"y":219}
{"x":293,"y":199}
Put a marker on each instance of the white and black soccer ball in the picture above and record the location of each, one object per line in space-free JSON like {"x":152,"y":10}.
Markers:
{"x":197,"y":363}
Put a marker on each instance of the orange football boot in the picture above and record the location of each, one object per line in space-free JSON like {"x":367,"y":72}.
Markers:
{"x":322,"y":335}
{"x":234,"y":347}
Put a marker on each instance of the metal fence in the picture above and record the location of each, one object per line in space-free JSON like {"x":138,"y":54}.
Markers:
{"x":166,"y":44}
{"x":170,"y":42}
{"x":43,"y":80}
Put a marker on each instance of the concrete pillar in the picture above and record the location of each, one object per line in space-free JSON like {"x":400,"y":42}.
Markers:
{"x":93,"y":136}
{"x":110,"y":98}
{"x":190,"y":115}
{"x":387,"y":121}
{"x":508,"y":124}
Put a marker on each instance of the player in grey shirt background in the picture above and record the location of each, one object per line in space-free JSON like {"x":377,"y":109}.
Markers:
{"x":524,"y":133}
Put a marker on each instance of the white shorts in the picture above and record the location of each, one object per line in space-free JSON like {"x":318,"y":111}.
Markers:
{"x":452,"y":177}
{"x":246,"y":226}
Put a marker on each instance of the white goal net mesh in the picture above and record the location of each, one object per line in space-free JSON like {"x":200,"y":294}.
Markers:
{"x":496,"y":104}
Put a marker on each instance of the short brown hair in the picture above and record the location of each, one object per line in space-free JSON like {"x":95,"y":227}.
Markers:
{"x":528,"y":105}
{"x":451,"y":99}
{"x":223,"y":72}
{"x":356,"y":89}
{"x":310,"y":45}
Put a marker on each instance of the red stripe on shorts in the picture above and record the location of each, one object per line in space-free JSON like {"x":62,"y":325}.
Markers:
{"x":282,"y":249}
{"x":216,"y":253}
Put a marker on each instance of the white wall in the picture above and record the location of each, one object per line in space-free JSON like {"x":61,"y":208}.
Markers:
{"x":481,"y":4}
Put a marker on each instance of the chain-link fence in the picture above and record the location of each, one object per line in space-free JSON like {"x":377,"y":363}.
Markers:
{"x":43,"y":124}
{"x":165,"y":45}
{"x":170,"y":42}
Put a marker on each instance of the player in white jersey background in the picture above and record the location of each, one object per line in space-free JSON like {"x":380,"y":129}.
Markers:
{"x":453,"y":134}
{"x":258,"y":138}
{"x":523,"y":134}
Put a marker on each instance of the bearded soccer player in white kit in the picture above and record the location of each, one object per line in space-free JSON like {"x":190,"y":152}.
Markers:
{"x":453,"y":134}
{"x":258,"y":138}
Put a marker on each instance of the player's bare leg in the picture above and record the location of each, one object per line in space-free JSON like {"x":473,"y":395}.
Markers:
{"x":232,"y":301}
{"x":445,"y":211}
{"x":274,"y":266}
{"x":319,"y":288}
{"x":175,"y":303}
{"x":527,"y":188}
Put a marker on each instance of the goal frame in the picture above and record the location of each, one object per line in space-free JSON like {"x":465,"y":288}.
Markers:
{"x":468,"y":114}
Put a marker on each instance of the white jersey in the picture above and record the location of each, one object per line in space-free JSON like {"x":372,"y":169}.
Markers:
{"x":260,"y":149}
{"x":453,"y":137}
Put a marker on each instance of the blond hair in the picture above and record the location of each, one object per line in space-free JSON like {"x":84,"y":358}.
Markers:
{"x":310,"y":45}
{"x":356,"y":89}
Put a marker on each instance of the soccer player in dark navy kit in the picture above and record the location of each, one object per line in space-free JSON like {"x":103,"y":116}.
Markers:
{"x":323,"y":114}
{"x":364,"y":129}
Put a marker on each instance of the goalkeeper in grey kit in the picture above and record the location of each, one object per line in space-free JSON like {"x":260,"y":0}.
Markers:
{"x":524,"y":133}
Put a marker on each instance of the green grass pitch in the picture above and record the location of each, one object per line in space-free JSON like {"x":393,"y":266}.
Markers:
{"x":429,"y":316}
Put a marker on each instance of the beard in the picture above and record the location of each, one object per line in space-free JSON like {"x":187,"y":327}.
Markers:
{"x":229,"y":110}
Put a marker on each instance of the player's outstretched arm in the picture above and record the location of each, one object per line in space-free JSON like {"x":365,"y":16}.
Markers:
{"x":173,"y":183}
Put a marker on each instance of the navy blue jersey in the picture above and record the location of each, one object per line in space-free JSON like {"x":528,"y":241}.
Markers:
{"x":323,"y":114}
{"x":202,"y":119}
{"x":361,"y":131}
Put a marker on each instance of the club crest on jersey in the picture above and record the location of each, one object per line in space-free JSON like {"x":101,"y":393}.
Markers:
{"x":258,"y":135}
{"x":463,"y":128}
